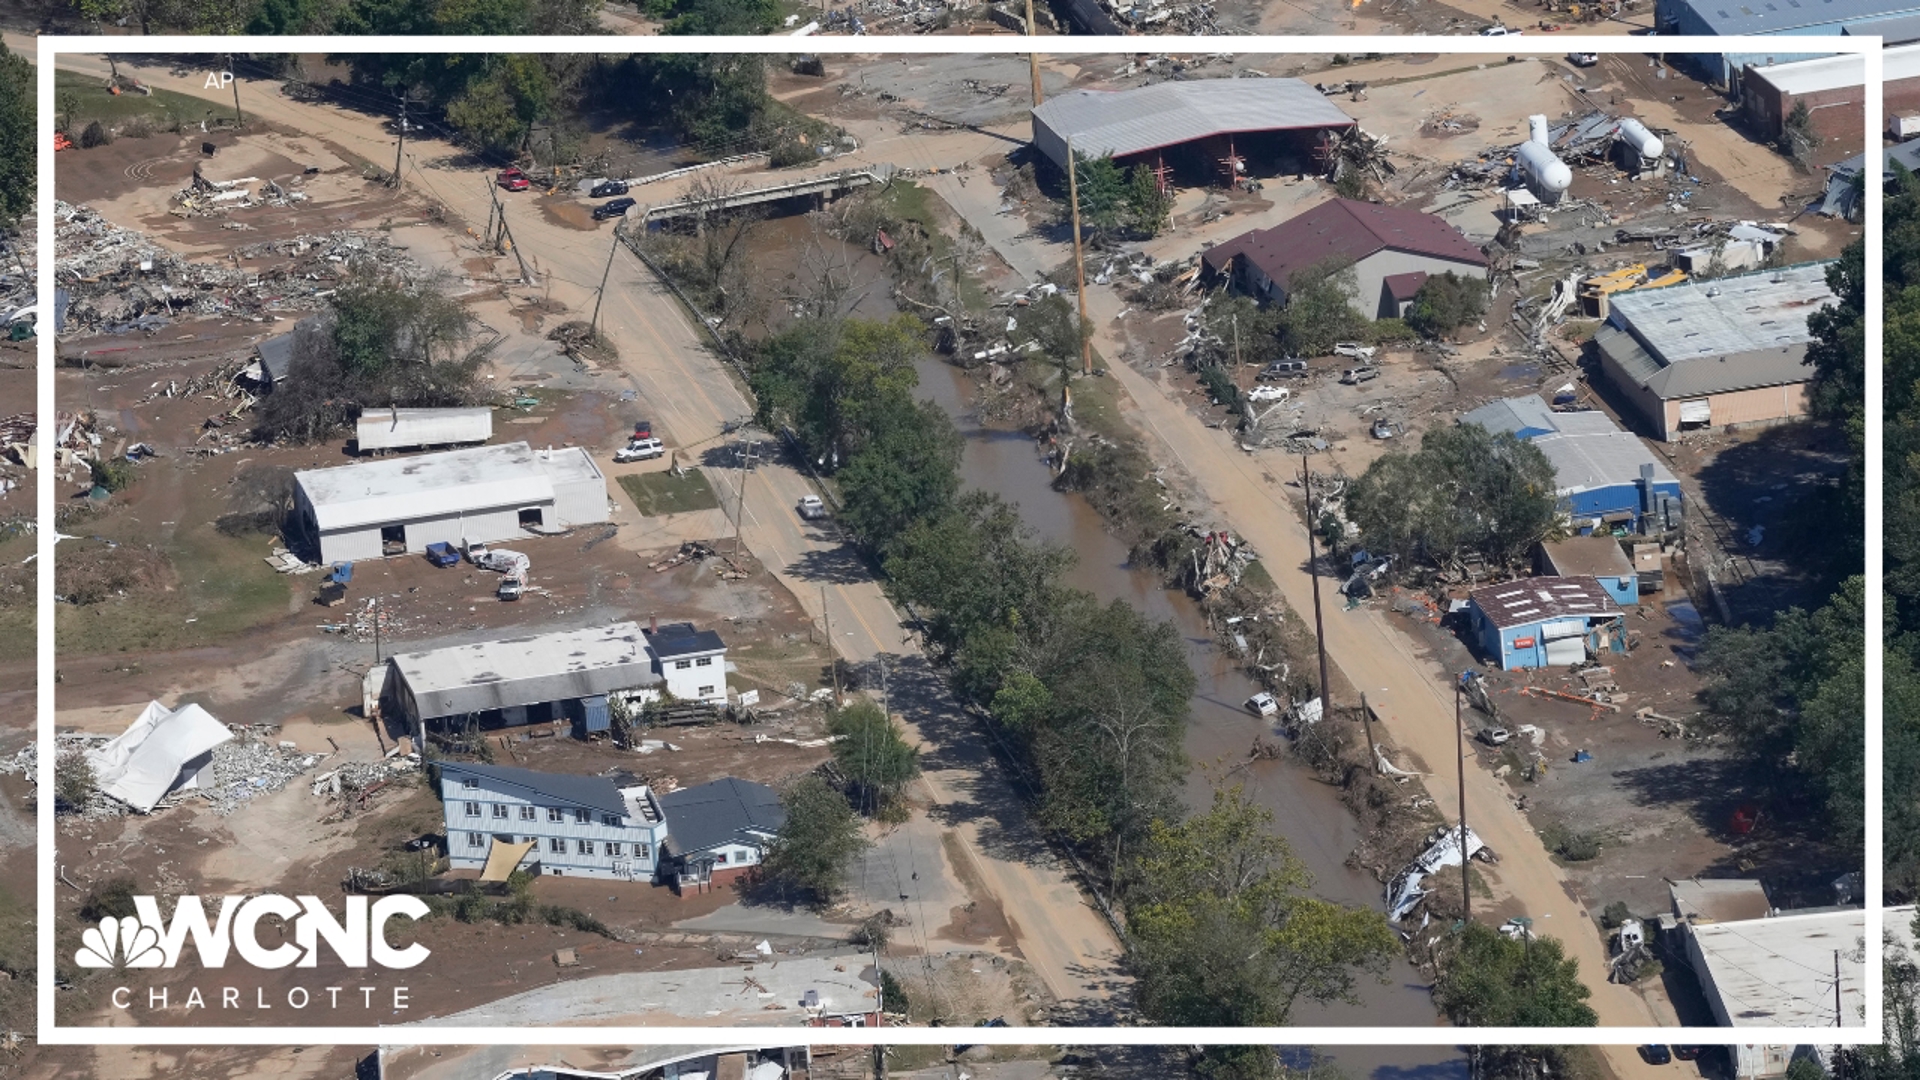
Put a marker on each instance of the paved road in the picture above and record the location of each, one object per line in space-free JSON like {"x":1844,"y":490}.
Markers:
{"x":692,"y":395}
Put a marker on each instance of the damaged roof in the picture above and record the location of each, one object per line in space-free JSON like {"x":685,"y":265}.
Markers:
{"x":566,"y":789}
{"x":681,"y":639}
{"x":1588,"y":556}
{"x":1706,"y":337}
{"x":724,"y":811}
{"x":1532,"y":600}
{"x":488,"y":675}
{"x":1344,"y":229}
{"x":1123,"y":122}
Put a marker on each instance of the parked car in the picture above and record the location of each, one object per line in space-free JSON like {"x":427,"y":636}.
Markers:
{"x":1496,"y":30}
{"x":1285,"y":369}
{"x":1383,"y":429}
{"x":1354,"y":376}
{"x":1263,"y":704}
{"x":1583,"y":59}
{"x":442,"y":554}
{"x":513,"y":180}
{"x":1495,"y":736}
{"x":609,"y":187}
{"x":640,"y":450}
{"x":811,"y":508}
{"x":475,"y":551}
{"x":643,"y":429}
{"x":1354,"y":350}
{"x":1263,"y":394}
{"x":612,"y":208}
{"x":1656,"y":1055}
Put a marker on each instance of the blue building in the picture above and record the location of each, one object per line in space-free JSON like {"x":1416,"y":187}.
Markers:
{"x":1545,"y":622}
{"x":1609,"y":479}
{"x":1895,"y":20}
{"x":1598,"y":557}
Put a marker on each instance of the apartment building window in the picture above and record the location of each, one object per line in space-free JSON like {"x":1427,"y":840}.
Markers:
{"x":556,"y":845}
{"x":610,"y":819}
{"x":526,"y":813}
{"x":720,"y":859}
{"x":554,"y":814}
{"x":682,"y":665}
{"x":500,"y":811}
{"x":474,"y":839}
{"x":583,"y":817}
{"x":613,"y":848}
{"x":706,"y":691}
{"x":470,"y":782}
{"x":644,"y":851}
{"x":473,"y":809}
{"x":705,"y":661}
{"x":584,"y":847}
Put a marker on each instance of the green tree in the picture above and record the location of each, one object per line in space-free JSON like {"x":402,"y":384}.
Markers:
{"x":1490,"y":980}
{"x":1446,"y":302}
{"x":1225,"y":931}
{"x":1149,"y":207}
{"x":497,"y":109}
{"x":1103,"y":196}
{"x":1319,"y":311}
{"x":74,"y":782}
{"x":836,"y":381}
{"x":1237,"y":325}
{"x":872,"y":752}
{"x":818,"y":842}
{"x":19,"y":177}
{"x":1465,"y":489}
{"x":908,"y":471}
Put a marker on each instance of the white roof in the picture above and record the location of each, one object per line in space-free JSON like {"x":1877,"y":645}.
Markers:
{"x":1779,"y":971}
{"x":1587,"y":461}
{"x":1726,"y":316}
{"x":1900,"y":63}
{"x":431,"y":485}
{"x":1122,"y":122}
{"x":382,"y":429}
{"x":561,"y":666}
{"x":162,"y":750}
{"x":1813,"y":76}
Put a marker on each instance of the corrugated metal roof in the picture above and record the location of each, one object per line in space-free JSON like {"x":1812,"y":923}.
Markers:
{"x":1344,"y":229}
{"x":1593,"y":460}
{"x":1523,"y":416}
{"x":1814,"y":76}
{"x":565,"y":789}
{"x":436,"y":485}
{"x":561,"y":666}
{"x":1588,"y":556}
{"x":1729,"y":17}
{"x":722,"y":811}
{"x":1538,"y":599}
{"x":1122,"y":122}
{"x":387,"y":429}
{"x":1732,"y":333}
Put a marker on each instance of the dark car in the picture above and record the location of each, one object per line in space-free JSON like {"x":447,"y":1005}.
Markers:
{"x":1284,"y":369}
{"x":1656,"y":1055}
{"x":1689,"y":1053}
{"x":612,"y":208}
{"x":609,"y":187}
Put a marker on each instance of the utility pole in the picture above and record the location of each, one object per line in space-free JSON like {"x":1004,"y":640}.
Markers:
{"x":1319,"y":625}
{"x":833,"y":654}
{"x":1460,"y":752}
{"x":593,"y":325}
{"x":1079,"y":262}
{"x":1839,"y":1014}
{"x":376,"y":631}
{"x":1033,"y":58}
{"x":1366,"y":722}
{"x":402,"y":145}
{"x":740,"y":510}
{"x":237,"y":118}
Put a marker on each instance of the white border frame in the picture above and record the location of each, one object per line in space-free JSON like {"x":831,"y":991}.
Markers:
{"x":1869,"y":48}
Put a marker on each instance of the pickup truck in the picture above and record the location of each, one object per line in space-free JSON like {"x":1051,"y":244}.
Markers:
{"x":510,"y":588}
{"x":513,"y":179}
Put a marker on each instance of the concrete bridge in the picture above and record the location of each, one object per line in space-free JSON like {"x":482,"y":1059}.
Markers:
{"x":821,"y":185}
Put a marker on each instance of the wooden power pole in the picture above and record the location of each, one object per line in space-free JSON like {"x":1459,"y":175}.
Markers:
{"x":1033,"y":58}
{"x":1319,"y":624}
{"x":1460,"y":753}
{"x":1079,"y":262}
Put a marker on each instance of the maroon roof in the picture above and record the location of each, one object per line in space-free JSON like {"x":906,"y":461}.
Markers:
{"x":1540,"y":599}
{"x":1404,"y":287}
{"x":1343,"y":228}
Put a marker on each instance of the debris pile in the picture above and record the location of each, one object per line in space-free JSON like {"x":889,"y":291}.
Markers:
{"x":1405,"y":891}
{"x":357,"y":779}
{"x":252,"y":764}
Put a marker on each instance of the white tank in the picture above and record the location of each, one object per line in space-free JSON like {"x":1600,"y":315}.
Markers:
{"x":1546,"y":174}
{"x":1537,"y":130}
{"x":1644,"y":142}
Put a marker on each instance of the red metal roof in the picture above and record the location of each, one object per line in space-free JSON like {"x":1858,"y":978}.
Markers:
{"x":1404,"y":287}
{"x":1343,"y":228}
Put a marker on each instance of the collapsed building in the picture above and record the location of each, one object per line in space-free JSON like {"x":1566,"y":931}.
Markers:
{"x":1715,"y":353}
{"x":1203,"y":131}
{"x":394,"y":506}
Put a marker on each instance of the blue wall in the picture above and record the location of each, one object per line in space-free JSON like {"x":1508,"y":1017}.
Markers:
{"x":1599,"y":502}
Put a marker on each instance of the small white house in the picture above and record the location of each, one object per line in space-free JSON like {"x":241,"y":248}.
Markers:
{"x":552,"y":823}
{"x":692,"y":662}
{"x":719,"y":831}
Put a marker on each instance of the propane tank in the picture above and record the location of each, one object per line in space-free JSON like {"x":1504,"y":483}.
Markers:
{"x":1644,"y":142}
{"x":1546,"y":174}
{"x":1537,"y":130}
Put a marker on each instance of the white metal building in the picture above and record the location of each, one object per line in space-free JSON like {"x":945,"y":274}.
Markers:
{"x":517,"y":680}
{"x":484,"y":494}
{"x":408,"y":429}
{"x":559,"y":824}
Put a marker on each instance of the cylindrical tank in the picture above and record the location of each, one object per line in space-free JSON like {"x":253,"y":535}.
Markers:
{"x":1537,"y":130}
{"x":1545,"y":173}
{"x":1644,"y":142}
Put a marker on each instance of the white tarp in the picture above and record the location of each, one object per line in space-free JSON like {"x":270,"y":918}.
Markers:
{"x":163,"y":750}
{"x":1404,"y":891}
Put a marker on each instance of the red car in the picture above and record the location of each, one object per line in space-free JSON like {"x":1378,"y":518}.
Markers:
{"x":513,"y":180}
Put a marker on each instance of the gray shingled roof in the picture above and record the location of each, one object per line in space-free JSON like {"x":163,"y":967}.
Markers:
{"x":720,"y":812}
{"x":564,"y":789}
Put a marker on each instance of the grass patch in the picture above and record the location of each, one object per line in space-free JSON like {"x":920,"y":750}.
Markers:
{"x":221,"y":590}
{"x":658,"y":494}
{"x":1255,"y":576}
{"x":90,"y":101}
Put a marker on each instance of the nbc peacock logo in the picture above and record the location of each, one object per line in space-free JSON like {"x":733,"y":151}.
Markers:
{"x":120,"y":943}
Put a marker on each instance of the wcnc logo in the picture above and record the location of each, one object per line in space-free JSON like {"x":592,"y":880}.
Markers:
{"x":147,"y":940}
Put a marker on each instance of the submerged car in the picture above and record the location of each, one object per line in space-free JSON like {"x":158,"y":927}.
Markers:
{"x":1263,"y":704}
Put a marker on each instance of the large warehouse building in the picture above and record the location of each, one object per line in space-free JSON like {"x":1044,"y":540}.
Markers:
{"x":512,"y":681}
{"x":485,"y":494}
{"x":1393,"y":251}
{"x":1714,"y":353}
{"x":1191,"y":127}
{"x":1896,"y":21}
{"x":1608,"y":476}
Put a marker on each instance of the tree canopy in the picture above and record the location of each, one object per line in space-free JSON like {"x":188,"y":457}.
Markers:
{"x":816,"y":845}
{"x":1464,"y":490}
{"x":873,"y":752}
{"x":1490,"y":980}
{"x":19,"y":176}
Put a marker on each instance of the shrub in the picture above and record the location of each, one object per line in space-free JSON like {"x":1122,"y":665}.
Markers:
{"x":1445,"y":303}
{"x":113,"y":897}
{"x":94,"y":135}
{"x":1220,"y":384}
{"x":1615,"y":914}
{"x":116,"y":475}
{"x":789,"y":152}
{"x":73,"y":779}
